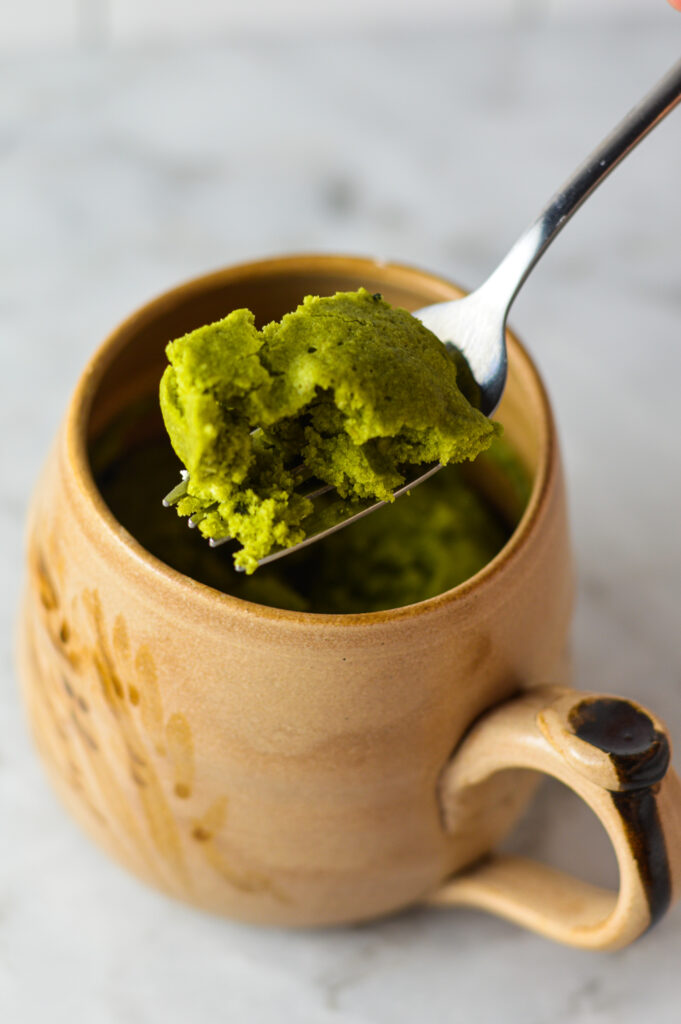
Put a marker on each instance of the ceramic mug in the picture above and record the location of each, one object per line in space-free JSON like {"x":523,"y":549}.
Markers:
{"x":304,"y":769}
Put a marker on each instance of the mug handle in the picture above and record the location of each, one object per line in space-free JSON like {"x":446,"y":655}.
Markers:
{"x":615,"y":755}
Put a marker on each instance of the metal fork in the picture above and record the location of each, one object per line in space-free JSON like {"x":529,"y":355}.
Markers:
{"x":476,"y":324}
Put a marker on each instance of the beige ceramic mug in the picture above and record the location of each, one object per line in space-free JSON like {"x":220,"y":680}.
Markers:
{"x":305,"y":769}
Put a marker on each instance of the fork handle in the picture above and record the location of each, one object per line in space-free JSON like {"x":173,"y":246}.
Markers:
{"x":505,"y":282}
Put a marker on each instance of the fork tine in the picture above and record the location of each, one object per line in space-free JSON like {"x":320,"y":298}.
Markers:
{"x":217,"y":542}
{"x":196,"y":517}
{"x":317,"y":493}
{"x":178,"y":492}
{"x":301,"y":473}
{"x":343,"y":512}
{"x":329,"y":519}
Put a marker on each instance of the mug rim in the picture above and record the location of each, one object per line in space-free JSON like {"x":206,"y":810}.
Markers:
{"x":80,"y":406}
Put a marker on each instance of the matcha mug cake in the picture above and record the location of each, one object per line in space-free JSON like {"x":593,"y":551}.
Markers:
{"x":350,"y":733}
{"x":345,"y":392}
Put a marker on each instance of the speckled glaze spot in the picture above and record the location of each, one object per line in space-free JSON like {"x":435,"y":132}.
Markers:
{"x":151,"y":707}
{"x":120,"y":638}
{"x":206,"y":833}
{"x":181,"y":753}
{"x":47,"y":591}
{"x":211,"y":821}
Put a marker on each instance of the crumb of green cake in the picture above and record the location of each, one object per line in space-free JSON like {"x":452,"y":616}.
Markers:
{"x":351,"y":387}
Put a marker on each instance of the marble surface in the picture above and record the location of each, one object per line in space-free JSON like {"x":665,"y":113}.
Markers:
{"x":122,"y":173}
{"x":84,"y":23}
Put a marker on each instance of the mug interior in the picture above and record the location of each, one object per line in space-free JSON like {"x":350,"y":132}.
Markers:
{"x":120,"y":404}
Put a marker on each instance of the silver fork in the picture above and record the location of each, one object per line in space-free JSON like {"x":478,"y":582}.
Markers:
{"x":476,"y":324}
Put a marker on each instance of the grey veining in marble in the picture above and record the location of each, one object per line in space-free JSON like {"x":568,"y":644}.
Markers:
{"x":122,"y":173}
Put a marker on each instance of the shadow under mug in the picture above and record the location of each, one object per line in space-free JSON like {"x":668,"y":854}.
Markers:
{"x":306,"y":769}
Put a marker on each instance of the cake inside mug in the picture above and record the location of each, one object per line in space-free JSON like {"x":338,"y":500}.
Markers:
{"x":427,"y":542}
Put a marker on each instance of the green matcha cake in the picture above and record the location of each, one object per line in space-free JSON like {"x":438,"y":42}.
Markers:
{"x":350,"y":387}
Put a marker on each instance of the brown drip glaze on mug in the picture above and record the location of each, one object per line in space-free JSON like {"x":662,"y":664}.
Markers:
{"x":640,"y":755}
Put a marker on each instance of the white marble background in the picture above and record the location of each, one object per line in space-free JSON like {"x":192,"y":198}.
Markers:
{"x":125,"y":170}
{"x":31,"y":23}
